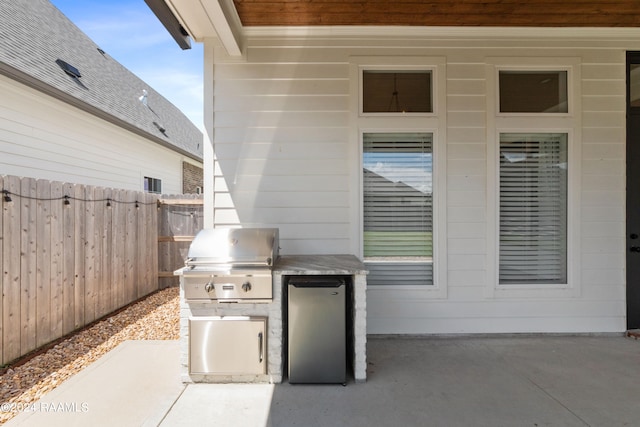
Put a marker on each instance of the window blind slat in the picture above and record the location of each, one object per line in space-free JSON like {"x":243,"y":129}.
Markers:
{"x":399,"y":273}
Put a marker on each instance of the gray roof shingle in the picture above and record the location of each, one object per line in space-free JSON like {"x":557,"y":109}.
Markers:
{"x":34,"y":34}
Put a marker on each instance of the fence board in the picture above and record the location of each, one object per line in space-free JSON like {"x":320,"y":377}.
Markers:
{"x":91,"y":254}
{"x":122,"y":229}
{"x":115,"y":250}
{"x":11,"y":272}
{"x":104,"y":285}
{"x":164,"y":250}
{"x":152,"y":241}
{"x":57,"y":264}
{"x":149,"y":226}
{"x":131,"y":258}
{"x":80,"y":243}
{"x":68,"y":267}
{"x":28,"y":255}
{"x":118,"y":237}
{"x":43,"y":275}
{"x":141,"y":241}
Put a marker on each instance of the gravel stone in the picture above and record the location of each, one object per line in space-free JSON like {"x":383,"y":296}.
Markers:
{"x":155,"y":317}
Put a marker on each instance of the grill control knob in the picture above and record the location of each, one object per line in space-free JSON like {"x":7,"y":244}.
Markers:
{"x":209,"y":287}
{"x":246,"y":286}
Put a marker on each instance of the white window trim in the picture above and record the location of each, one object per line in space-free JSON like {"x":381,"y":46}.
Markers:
{"x":434,"y":123}
{"x":569,"y":124}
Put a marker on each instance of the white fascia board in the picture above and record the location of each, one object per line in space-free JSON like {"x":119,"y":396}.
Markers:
{"x":209,"y":19}
{"x":225,"y":20}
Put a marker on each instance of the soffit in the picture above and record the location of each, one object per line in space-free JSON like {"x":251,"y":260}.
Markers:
{"x":439,"y":13}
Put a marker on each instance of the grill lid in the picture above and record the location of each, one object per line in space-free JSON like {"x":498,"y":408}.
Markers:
{"x":234,"y":247}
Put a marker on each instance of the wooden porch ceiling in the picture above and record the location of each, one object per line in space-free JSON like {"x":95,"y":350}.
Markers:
{"x":459,"y":13}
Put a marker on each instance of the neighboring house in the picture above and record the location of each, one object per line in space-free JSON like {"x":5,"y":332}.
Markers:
{"x":69,"y":112}
{"x":514,"y":115}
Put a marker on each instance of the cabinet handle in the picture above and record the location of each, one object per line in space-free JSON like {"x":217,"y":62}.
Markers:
{"x":260,"y":347}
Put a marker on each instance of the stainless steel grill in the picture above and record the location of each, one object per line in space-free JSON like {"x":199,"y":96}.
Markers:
{"x":231,"y":265}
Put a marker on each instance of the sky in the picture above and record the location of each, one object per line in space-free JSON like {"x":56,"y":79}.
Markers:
{"x":130,"y":33}
{"x":412,"y":169}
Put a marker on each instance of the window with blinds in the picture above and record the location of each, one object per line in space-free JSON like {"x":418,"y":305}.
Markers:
{"x":152,"y":185}
{"x":398,"y":207}
{"x":533,"y":208}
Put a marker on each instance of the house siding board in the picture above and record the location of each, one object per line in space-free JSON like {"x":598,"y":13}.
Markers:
{"x":492,"y":325}
{"x":283,"y":161}
{"x":42,"y":137}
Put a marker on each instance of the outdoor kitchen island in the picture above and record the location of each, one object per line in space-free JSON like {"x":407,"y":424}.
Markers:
{"x":273,"y":313}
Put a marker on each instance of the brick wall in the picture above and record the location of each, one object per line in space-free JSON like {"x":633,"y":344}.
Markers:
{"x":192,"y":178}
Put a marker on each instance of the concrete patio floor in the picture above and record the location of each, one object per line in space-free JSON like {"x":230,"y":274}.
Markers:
{"x":467,"y":381}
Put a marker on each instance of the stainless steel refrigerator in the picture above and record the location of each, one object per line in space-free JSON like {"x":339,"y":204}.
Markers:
{"x":317,"y":329}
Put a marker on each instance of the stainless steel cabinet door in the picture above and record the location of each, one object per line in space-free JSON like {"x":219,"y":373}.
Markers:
{"x":229,"y":345}
{"x":317,"y":334}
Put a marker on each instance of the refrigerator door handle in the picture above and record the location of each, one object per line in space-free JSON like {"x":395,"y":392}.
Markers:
{"x":260,"y":347}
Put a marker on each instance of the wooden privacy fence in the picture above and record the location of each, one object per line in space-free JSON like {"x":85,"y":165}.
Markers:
{"x":180,"y":218}
{"x":70,"y":254}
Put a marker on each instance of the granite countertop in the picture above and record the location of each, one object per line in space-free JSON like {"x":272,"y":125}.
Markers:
{"x":319,"y":264}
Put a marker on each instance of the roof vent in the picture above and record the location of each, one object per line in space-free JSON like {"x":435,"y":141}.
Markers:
{"x":69,"y":69}
{"x":143,"y":98}
{"x":160,"y":127}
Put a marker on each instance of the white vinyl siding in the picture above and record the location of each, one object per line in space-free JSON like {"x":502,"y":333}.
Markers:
{"x":43,"y":138}
{"x":304,"y":176}
{"x":533,"y":209}
{"x":271,"y":117}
